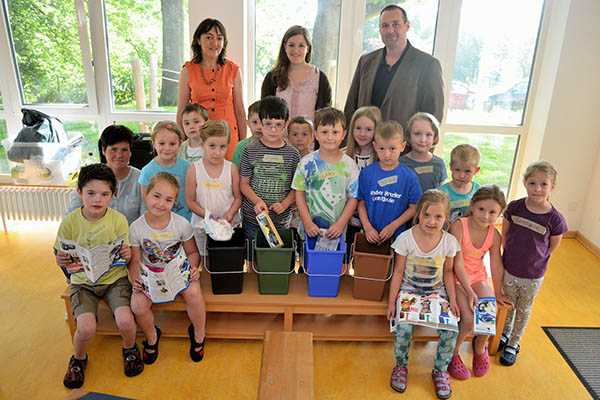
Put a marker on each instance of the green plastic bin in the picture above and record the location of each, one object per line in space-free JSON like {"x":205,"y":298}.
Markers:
{"x":274,"y":265}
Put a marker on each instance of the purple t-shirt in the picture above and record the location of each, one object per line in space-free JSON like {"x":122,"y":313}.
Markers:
{"x":528,"y":239}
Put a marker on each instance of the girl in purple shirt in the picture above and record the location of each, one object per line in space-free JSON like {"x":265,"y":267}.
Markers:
{"x":531,"y":230}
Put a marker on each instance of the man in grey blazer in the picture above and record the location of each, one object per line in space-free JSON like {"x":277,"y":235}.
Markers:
{"x":399,"y":79}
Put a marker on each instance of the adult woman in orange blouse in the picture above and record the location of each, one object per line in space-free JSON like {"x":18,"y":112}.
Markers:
{"x":214,"y":82}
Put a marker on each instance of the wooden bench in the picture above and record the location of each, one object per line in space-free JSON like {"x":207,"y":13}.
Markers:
{"x":287,"y":366}
{"x":249,"y":315}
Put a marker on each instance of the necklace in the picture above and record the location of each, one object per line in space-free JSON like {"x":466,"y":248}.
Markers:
{"x":211,"y":79}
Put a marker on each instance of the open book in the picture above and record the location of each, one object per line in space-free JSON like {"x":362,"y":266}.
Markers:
{"x":96,"y":261}
{"x":431,"y":311}
{"x":484,"y":318}
{"x":162,"y":286}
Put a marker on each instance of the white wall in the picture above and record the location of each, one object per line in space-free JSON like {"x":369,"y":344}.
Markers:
{"x":572,"y":136}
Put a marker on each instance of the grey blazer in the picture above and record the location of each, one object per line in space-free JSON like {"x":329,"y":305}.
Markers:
{"x":416,"y":86}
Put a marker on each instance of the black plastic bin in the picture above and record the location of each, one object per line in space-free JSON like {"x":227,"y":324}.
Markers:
{"x":226,"y":263}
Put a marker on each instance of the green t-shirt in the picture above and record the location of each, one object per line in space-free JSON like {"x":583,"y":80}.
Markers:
{"x":89,"y":234}
{"x":239,"y":149}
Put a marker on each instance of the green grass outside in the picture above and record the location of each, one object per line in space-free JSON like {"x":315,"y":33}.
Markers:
{"x":497,"y":156}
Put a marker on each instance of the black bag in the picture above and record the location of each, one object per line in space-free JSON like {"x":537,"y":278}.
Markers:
{"x":37,"y":128}
{"x":142,"y":151}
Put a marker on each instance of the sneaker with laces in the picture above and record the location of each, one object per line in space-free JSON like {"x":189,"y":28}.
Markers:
{"x":132,"y":361}
{"x":399,"y":378}
{"x":457,"y":368}
{"x":75,"y":373}
{"x":441,"y":381}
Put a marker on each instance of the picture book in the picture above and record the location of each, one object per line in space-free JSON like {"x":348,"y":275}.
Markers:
{"x":268,"y":229}
{"x":163,"y":285}
{"x":484,"y":318}
{"x":431,"y":311}
{"x":323,"y":243}
{"x":96,"y":261}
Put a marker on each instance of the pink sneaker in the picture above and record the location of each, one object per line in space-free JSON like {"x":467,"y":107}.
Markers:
{"x":441,"y":381}
{"x":457,"y":368}
{"x":481,"y":363}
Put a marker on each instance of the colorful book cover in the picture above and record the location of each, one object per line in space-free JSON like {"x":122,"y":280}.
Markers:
{"x":268,"y":229}
{"x":484,"y":317}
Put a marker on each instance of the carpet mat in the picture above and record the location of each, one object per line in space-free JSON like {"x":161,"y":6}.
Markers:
{"x":580,"y":347}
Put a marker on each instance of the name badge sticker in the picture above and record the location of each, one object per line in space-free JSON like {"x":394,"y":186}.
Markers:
{"x":273,"y":158}
{"x":426,"y":169}
{"x":532,"y":226}
{"x":390,"y":180}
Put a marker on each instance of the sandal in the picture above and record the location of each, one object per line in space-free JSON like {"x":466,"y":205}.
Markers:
{"x":457,"y":368}
{"x":509,"y":355}
{"x":441,"y":381}
{"x":399,"y":378}
{"x":503,"y":343}
{"x":196,"y":349}
{"x":150,"y":351}
{"x":75,"y":373}
{"x":132,"y":362}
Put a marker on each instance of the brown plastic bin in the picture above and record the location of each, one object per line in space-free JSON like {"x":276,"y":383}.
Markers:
{"x":372,"y":268}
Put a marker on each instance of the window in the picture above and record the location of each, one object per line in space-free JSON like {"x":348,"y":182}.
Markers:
{"x":422,"y":16}
{"x":89,"y":131}
{"x":497,"y":156}
{"x":46,"y":46}
{"x":320,"y":17}
{"x":143,"y":70}
{"x":494,"y":57}
{"x":4,"y":166}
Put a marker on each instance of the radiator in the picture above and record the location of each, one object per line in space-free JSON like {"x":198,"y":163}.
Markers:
{"x":33,"y":203}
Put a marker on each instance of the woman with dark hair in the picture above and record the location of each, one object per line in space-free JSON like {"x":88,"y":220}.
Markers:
{"x":301,"y":84}
{"x":115,"y":145}
{"x":213,"y":81}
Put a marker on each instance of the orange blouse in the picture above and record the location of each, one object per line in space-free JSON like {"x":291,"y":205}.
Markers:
{"x":213,"y":90}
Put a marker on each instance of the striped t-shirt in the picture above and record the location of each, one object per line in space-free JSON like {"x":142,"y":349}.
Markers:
{"x":270,"y":171}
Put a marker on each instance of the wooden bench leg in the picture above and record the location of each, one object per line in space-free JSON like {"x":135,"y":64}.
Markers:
{"x":287,"y":366}
{"x":70,"y":319}
{"x":494,"y":341}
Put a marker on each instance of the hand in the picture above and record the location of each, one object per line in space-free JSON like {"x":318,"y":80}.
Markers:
{"x":335,"y":231}
{"x":62,"y":259}
{"x":277,"y":208}
{"x":194,"y":274}
{"x":503,"y":299}
{"x":371,"y":235}
{"x":260,"y":206}
{"x":312,"y":229}
{"x":125,"y":252}
{"x":472,"y":298}
{"x":229,"y":216}
{"x":391,"y":310}
{"x":454,"y":308}
{"x":386,"y":233}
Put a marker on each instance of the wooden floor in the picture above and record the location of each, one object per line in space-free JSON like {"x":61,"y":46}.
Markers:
{"x":35,"y":343}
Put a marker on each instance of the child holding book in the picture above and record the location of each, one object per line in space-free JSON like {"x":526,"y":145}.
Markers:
{"x":166,"y":140}
{"x":464,"y":164}
{"x":160,"y":240}
{"x":388,"y":191}
{"x":477,"y":236}
{"x":326,"y":180}
{"x":532,"y":229}
{"x":213,"y":183}
{"x":427,"y":262}
{"x":192,"y":119}
{"x":92,"y":225}
{"x":266,"y":168}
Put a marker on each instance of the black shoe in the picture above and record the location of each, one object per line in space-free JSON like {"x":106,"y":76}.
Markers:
{"x":75,"y":373}
{"x":149,"y":358}
{"x":196,"y":349}
{"x":509,"y":355}
{"x":132,"y":361}
{"x":503,"y":343}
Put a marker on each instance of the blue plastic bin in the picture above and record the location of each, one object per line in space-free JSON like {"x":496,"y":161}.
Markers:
{"x":324,"y":268}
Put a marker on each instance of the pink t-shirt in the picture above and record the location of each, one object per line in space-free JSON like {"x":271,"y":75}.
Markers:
{"x":473,"y":256}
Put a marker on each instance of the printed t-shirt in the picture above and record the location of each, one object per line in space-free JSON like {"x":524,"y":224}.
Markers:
{"x":431,"y":173}
{"x":459,"y":202}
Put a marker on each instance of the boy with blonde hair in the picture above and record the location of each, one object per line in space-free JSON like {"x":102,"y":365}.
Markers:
{"x":464,"y":164}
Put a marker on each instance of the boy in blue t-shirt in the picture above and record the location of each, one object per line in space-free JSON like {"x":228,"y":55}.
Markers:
{"x":464,"y":164}
{"x":387,"y":191}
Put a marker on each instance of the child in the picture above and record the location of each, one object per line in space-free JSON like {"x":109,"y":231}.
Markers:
{"x":387,"y":191}
{"x":531,"y":231}
{"x":159,"y":237}
{"x":166,"y":139}
{"x":255,"y":128}
{"x":477,"y":235}
{"x":267,"y":167}
{"x":326,"y":180}
{"x":92,"y":225}
{"x":192,"y":119}
{"x":426,"y":264}
{"x":464,"y":164}
{"x":423,"y":134}
{"x":213,"y":183}
{"x":362,"y":130}
{"x":300,"y":135}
